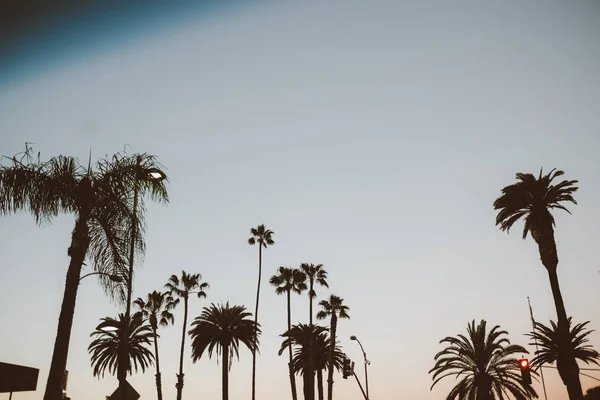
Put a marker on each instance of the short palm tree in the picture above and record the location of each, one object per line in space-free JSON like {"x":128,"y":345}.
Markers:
{"x":315,"y":274}
{"x":300,"y":337}
{"x":533,"y":199}
{"x":333,"y":308}
{"x":182,"y":288}
{"x":485,"y":363}
{"x":100,"y":200}
{"x":264,"y":238}
{"x":547,"y":338}
{"x":107,"y":346}
{"x":157,"y":309}
{"x":222,"y":328}
{"x":286,"y":281}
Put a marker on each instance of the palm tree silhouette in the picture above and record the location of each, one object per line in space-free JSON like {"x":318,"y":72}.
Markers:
{"x":286,"y":281}
{"x":100,"y":199}
{"x":532,"y":199}
{"x":485,"y":363}
{"x":333,"y":308}
{"x":157,"y":309}
{"x":264,"y":238}
{"x":223,"y":328}
{"x":107,"y":346}
{"x":182,"y":288}
{"x":547,"y":339}
{"x":315,"y":274}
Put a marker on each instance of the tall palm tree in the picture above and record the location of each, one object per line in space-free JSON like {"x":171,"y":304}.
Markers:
{"x":486,"y":363}
{"x":286,"y":281}
{"x":315,"y":274}
{"x":100,"y":200}
{"x":532,"y":199}
{"x":333,"y":308}
{"x":300,"y":337}
{"x":106,"y":349}
{"x":223,"y":328}
{"x":547,"y":339}
{"x":157,"y":309}
{"x":182,"y":288}
{"x":264,"y":238}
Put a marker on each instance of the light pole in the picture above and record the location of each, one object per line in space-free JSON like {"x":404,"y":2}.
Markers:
{"x":114,"y":278}
{"x":367,"y":362}
{"x":147,"y":174}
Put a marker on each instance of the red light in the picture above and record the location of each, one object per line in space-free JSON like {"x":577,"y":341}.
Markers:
{"x":524,"y":363}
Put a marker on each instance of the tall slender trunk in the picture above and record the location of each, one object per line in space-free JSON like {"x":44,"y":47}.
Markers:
{"x":79,"y":244}
{"x":549,"y":257}
{"x":179,"y":384}
{"x":320,"y":383}
{"x":256,"y":320}
{"x":157,"y":376}
{"x":311,"y":362}
{"x":331,"y":352}
{"x":225,"y":370}
{"x":290,"y":366}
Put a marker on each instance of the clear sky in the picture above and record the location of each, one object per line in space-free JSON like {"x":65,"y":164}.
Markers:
{"x":371,"y":136}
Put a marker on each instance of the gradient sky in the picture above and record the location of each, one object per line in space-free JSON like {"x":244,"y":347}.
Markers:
{"x":372,"y":137}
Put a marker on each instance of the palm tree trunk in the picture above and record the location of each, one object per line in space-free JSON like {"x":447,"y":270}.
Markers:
{"x":256,"y":320}
{"x":320,"y":383}
{"x":290,"y":366}
{"x":157,"y":376}
{"x":331,"y":352}
{"x":311,"y":363}
{"x":179,"y":384}
{"x":79,"y":244}
{"x":225,"y":370}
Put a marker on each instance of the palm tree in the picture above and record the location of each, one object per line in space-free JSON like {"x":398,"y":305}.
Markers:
{"x":333,"y":308}
{"x":532,"y":199}
{"x":106,"y":349}
{"x":223,"y":328}
{"x":264,"y":238}
{"x":315,"y":274}
{"x":100,"y":200}
{"x":182,"y":288}
{"x":547,"y":339}
{"x":485,"y":362}
{"x":157,"y":309}
{"x":301,"y":336}
{"x":289,"y":280}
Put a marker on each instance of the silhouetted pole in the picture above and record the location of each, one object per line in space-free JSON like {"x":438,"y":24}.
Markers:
{"x":359,"y":385}
{"x":536,"y":346}
{"x":366,"y":364}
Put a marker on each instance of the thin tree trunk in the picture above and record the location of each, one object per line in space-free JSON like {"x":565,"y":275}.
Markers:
{"x":320,"y":383}
{"x":311,"y":363}
{"x":256,"y":320}
{"x":179,"y":384}
{"x":77,"y":251}
{"x":157,"y":376}
{"x":331,"y":352}
{"x":290,"y":366}
{"x":225,"y":350}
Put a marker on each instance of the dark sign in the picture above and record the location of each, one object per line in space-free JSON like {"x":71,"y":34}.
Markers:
{"x":17,"y":378}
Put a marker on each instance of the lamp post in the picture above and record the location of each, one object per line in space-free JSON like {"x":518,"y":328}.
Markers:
{"x":114,"y":278}
{"x":367,"y":362}
{"x":140,"y":173}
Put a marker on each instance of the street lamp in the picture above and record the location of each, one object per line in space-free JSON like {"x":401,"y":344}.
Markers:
{"x":367,"y":362}
{"x":112,"y":277}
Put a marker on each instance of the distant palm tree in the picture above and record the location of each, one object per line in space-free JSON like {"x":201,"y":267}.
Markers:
{"x":315,"y":274}
{"x":485,"y":362}
{"x":157,"y":309}
{"x":547,"y":339}
{"x":99,"y":198}
{"x":182,"y":288}
{"x":532,"y":199}
{"x":223,"y":328}
{"x":286,"y":281}
{"x":106,"y":348}
{"x":332,"y":308}
{"x":300,"y":337}
{"x":264,"y":238}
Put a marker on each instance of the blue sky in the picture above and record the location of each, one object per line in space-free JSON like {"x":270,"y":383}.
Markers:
{"x":371,"y":137}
